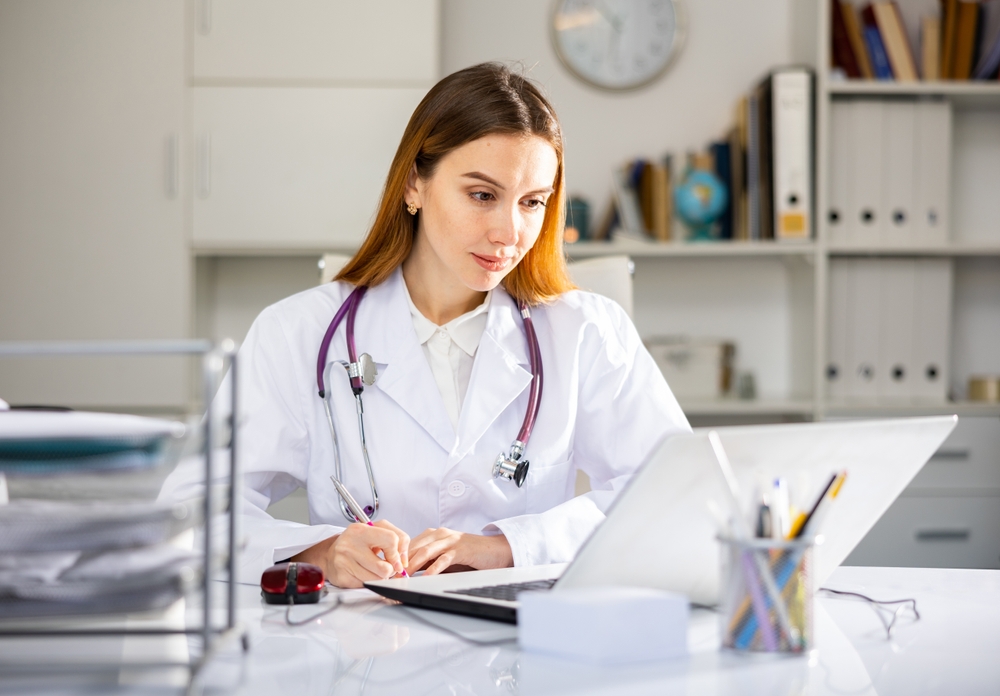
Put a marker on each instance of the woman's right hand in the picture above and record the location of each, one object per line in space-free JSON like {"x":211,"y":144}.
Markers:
{"x":351,"y":558}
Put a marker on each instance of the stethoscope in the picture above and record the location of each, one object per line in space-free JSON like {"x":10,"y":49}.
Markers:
{"x":361,"y":371}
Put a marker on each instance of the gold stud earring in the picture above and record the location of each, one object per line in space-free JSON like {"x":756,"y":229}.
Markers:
{"x":411,"y":208}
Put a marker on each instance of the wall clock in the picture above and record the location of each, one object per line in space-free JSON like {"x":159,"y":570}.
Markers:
{"x":618,"y":44}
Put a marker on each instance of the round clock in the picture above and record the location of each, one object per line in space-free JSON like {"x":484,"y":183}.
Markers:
{"x":617,"y":44}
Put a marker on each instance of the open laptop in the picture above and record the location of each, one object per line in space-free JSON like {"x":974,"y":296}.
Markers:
{"x":660,"y":532}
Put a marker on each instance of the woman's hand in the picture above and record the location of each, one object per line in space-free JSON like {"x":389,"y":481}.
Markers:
{"x":351,"y":558}
{"x":434,"y":550}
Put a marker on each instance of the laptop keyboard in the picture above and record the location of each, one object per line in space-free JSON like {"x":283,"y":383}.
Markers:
{"x":508,"y":592}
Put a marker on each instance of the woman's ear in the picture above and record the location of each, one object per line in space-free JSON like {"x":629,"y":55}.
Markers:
{"x":412,"y":193}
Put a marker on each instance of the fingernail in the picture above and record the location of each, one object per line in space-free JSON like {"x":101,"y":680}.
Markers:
{"x":403,"y":573}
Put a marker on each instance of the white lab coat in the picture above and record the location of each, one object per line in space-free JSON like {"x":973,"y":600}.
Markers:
{"x":605,"y":407}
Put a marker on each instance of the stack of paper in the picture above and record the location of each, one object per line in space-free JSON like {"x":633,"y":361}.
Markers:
{"x":49,"y":442}
{"x":61,"y":558}
{"x":79,"y":556}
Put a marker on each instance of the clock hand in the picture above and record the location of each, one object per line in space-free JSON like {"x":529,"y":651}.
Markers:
{"x":609,"y":16}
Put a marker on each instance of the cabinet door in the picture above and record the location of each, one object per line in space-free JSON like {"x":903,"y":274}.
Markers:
{"x":289,"y":167}
{"x":91,"y":212}
{"x":390,"y":40}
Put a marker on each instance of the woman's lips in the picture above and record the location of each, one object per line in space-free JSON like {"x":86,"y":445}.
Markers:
{"x":492,"y":263}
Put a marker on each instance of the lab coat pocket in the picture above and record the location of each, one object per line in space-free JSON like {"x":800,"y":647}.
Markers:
{"x":549,"y":485}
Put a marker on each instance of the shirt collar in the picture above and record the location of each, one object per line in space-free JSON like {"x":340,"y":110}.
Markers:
{"x":466,"y":330}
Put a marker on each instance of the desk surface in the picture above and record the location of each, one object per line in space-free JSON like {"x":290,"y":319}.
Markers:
{"x":373,"y":647}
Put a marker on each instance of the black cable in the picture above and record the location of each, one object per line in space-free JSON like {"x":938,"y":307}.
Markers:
{"x":453,"y":632}
{"x":878,"y":604}
{"x":288,"y":613}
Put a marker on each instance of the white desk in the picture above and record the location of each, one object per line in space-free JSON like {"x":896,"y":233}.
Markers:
{"x":370,"y":646}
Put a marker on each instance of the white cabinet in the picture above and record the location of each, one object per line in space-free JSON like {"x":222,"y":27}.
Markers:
{"x":91,"y":195}
{"x":292,"y":168}
{"x":949,"y":515}
{"x":394,"y":41}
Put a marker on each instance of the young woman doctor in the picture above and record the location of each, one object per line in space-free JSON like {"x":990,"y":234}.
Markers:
{"x":468,"y":230}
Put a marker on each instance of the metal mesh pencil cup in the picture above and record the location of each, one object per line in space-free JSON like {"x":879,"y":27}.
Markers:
{"x":766,"y":594}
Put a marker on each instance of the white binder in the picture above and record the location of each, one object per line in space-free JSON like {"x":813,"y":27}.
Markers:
{"x":934,"y":281}
{"x":894,"y":378}
{"x":898,"y":180}
{"x":933,"y":171}
{"x":841,"y":154}
{"x":841,"y":280}
{"x":867,"y":214}
{"x":792,"y":139}
{"x":863,"y":336}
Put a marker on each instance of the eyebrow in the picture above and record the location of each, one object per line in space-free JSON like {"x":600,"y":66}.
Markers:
{"x":494,"y":182}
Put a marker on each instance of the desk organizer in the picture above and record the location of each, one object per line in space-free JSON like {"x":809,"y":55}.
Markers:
{"x":110,"y":619}
{"x":767,"y":595}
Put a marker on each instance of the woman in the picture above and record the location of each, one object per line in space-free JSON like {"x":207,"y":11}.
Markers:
{"x":469,"y":226}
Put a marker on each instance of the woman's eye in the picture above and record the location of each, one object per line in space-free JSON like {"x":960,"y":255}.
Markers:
{"x":534,"y":203}
{"x":482,"y":196}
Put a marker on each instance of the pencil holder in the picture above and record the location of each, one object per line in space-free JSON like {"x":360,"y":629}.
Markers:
{"x":766,"y":594}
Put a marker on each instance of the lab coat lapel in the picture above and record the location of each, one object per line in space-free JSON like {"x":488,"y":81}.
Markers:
{"x":407,"y":378}
{"x":500,"y":372}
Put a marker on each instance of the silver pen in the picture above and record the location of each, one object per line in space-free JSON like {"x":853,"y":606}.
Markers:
{"x":356,"y":510}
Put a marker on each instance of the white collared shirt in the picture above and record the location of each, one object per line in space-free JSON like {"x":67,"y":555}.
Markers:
{"x":451,"y":350}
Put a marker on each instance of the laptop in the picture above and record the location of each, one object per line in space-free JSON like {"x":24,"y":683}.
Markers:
{"x":660,"y":531}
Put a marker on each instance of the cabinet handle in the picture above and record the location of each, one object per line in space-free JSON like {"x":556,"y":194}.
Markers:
{"x":943,"y":534}
{"x":173,"y":166}
{"x":951,"y":454}
{"x":205,"y":17}
{"x":205,"y":165}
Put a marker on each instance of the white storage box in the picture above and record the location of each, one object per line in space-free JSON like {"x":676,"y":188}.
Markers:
{"x":695,"y":368}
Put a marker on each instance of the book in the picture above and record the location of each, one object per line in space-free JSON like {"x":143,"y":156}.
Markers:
{"x":897,"y":46}
{"x":739,"y":152}
{"x":989,"y":47}
{"x":753,"y":167}
{"x":722,"y":165}
{"x":736,"y":182}
{"x":843,"y":53}
{"x":930,"y":47}
{"x":646,"y":192}
{"x":662,"y":210}
{"x":949,"y":11}
{"x":856,"y":36}
{"x":765,"y":157}
{"x":876,"y":46}
{"x":965,"y":39}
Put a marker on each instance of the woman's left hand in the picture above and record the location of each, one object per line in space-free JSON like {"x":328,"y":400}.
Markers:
{"x":441,"y":548}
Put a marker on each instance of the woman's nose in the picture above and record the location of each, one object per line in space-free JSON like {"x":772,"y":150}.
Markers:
{"x":506,"y":227}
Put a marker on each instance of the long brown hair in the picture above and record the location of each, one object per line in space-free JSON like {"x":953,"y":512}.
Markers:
{"x":485,"y":99}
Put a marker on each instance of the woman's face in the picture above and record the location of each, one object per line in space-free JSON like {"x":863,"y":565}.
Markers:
{"x":482,"y":209}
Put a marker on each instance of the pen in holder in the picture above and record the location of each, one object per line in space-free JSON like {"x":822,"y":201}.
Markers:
{"x":750,"y":618}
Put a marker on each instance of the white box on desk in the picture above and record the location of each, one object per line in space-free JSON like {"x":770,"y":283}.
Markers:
{"x":695,"y":368}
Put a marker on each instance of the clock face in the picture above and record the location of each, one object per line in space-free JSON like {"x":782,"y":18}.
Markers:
{"x":617,"y":44}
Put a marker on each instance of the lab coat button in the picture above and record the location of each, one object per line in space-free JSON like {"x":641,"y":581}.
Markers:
{"x":456,"y":488}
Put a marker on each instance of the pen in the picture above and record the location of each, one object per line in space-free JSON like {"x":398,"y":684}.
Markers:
{"x":356,"y":510}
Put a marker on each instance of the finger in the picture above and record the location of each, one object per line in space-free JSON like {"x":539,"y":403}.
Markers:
{"x":429,"y":552}
{"x":397,"y":555}
{"x":368,"y":565}
{"x":441,"y":564}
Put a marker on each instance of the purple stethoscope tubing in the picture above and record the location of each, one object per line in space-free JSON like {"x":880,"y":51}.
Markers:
{"x":350,"y":309}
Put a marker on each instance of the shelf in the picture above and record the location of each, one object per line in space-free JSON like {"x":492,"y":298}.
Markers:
{"x":283,"y":249}
{"x":869,"y":410}
{"x":756,"y":407}
{"x":967,"y":91}
{"x":918,"y":250}
{"x":641,"y":249}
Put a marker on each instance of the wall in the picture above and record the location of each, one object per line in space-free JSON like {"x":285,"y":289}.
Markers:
{"x":730,"y":44}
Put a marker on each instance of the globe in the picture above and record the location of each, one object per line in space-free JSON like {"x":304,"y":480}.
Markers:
{"x":699,"y":200}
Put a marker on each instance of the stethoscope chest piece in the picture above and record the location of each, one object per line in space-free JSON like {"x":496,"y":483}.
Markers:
{"x":511,"y":466}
